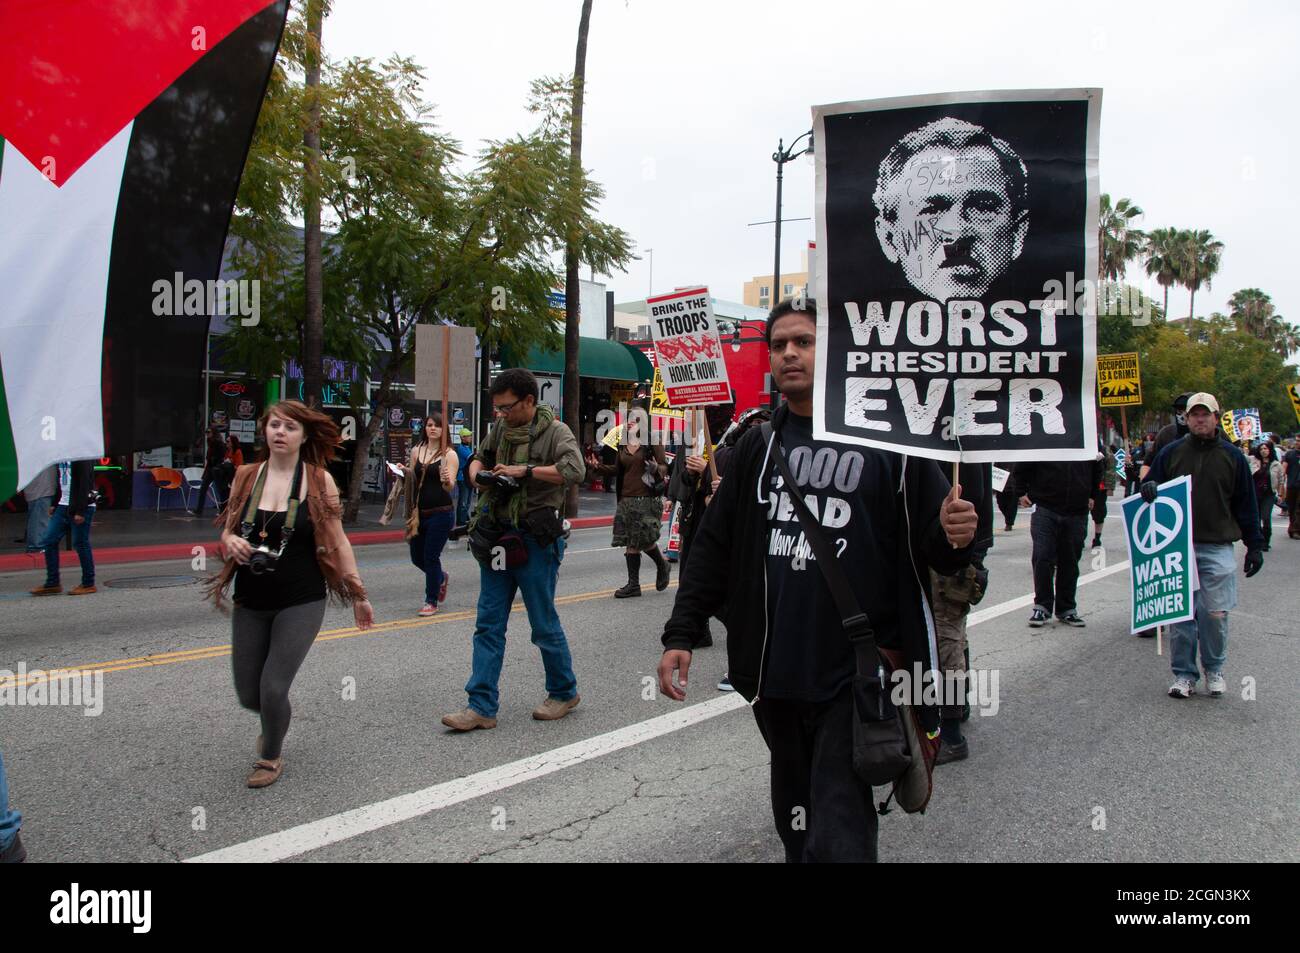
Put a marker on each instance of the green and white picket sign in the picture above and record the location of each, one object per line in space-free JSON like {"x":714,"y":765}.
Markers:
{"x":1162,"y":570}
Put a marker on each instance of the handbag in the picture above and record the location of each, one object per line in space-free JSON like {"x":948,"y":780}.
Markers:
{"x":413,"y":517}
{"x":890,"y":746}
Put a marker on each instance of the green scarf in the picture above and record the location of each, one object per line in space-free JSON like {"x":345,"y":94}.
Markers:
{"x":511,"y":449}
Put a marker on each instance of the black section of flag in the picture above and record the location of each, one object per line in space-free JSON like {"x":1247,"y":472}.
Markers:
{"x":182,"y":172}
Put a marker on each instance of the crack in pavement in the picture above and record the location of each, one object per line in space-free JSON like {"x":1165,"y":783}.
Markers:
{"x":584,"y":824}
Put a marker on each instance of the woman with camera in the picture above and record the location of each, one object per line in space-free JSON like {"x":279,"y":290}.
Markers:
{"x":284,"y":558}
{"x":641,"y":474}
{"x":427,"y":480}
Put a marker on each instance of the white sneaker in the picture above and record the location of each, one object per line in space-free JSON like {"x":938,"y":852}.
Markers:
{"x":1182,"y":688}
{"x":1215,"y":683}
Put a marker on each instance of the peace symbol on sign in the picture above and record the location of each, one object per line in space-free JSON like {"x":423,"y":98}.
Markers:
{"x":1156,"y":533}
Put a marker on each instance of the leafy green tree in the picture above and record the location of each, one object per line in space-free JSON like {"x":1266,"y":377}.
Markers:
{"x":414,"y":239}
{"x":1118,"y":240}
{"x":1171,"y":364}
{"x":1249,"y":372}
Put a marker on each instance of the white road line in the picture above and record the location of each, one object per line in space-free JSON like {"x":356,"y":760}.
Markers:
{"x":372,"y":817}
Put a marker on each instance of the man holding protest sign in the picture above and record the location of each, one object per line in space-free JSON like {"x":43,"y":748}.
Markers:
{"x":1223,"y":511}
{"x":892,"y":519}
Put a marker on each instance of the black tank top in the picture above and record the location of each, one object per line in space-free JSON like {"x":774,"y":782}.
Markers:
{"x":432,"y":492}
{"x":297,"y":578}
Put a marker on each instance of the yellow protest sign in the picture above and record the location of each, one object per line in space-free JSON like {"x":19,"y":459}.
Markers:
{"x":1293,"y":391}
{"x":659,"y":405}
{"x":1229,"y":427}
{"x":612,"y":438}
{"x":1119,"y":381}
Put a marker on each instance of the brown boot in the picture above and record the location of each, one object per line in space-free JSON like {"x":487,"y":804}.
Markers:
{"x":47,"y":590}
{"x":467,"y":720}
{"x":265,"y":772}
{"x":553,"y":708}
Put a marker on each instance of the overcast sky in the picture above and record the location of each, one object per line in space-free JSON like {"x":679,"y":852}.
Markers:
{"x":686,"y":100}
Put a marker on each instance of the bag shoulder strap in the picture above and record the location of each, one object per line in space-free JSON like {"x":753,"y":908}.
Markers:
{"x":857,"y":625}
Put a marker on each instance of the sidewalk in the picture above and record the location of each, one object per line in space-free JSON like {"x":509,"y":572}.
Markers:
{"x":124,"y":536}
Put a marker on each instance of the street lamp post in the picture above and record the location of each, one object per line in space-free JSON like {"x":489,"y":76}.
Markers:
{"x":781,"y":157}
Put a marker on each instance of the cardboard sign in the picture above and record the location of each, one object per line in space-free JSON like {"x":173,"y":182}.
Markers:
{"x":1119,"y":380}
{"x":1162,"y":569}
{"x":688,"y":349}
{"x":956,"y":246}
{"x":429,"y":352}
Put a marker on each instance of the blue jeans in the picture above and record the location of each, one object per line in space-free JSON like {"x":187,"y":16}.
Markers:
{"x":1216,"y":569}
{"x":463,"y":493}
{"x":426,"y":552}
{"x":38,"y":518}
{"x":535,"y":581}
{"x":54,"y":532}
{"x":1058,"y":544}
{"x":10,"y":821}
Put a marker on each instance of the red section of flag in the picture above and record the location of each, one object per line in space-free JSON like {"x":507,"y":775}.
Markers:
{"x":77,"y":71}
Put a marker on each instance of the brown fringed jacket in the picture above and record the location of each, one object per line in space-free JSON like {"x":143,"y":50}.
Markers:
{"x":337,"y":564}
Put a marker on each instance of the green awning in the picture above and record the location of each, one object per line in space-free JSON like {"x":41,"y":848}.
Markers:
{"x":612,"y":360}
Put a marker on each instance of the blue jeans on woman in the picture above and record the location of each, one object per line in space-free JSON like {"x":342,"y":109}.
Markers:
{"x":10,"y":821}
{"x":38,"y":518}
{"x":58,"y":525}
{"x":426,"y":551}
{"x":535,"y":581}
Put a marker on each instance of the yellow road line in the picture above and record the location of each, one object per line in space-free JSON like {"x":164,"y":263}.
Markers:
{"x":221,"y":651}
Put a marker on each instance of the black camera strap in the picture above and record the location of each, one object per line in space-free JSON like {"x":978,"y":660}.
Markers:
{"x":255,"y":498}
{"x":857,"y":626}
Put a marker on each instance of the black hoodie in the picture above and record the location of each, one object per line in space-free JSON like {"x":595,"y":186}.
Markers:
{"x":729,"y":565}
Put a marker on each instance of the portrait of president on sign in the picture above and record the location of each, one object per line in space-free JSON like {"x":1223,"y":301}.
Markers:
{"x":956,"y":305}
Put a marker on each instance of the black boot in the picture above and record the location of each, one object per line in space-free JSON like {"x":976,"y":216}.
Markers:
{"x":661,"y":565}
{"x":633,"y":587}
{"x":952,"y":746}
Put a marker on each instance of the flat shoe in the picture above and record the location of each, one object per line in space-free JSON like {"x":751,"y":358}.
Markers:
{"x":265,"y":772}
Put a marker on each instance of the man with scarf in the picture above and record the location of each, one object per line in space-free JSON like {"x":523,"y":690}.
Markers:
{"x":517,"y":534}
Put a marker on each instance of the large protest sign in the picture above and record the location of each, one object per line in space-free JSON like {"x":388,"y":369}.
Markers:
{"x":1293,"y":392}
{"x":688,"y":348}
{"x":1162,"y":570}
{"x":957,"y":251}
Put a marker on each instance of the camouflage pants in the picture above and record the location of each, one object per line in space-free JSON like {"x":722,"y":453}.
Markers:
{"x":952,"y":596}
{"x":638,"y":522}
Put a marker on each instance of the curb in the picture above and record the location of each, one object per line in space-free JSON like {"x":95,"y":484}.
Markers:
{"x":20,"y":562}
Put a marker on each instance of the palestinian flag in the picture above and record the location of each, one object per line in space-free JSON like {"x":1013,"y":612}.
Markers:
{"x":124,"y":125}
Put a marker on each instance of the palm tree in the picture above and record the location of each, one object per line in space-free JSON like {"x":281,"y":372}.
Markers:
{"x":1201,"y":256}
{"x":1118,"y":242}
{"x":1253,"y":312}
{"x":572,"y":289}
{"x":1163,"y":259}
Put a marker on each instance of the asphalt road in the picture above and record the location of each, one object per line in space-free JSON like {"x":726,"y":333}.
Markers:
{"x":1085,"y":759}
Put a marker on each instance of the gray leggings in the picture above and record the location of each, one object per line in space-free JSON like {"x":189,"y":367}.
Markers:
{"x":268,"y":646}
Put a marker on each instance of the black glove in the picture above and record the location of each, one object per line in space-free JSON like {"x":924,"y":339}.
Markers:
{"x":1254,"y":562}
{"x":1149,"y":491}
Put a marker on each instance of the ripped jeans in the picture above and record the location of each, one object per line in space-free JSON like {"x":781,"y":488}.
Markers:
{"x":1216,"y":568}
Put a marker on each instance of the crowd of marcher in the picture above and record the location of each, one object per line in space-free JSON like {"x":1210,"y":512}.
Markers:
{"x":806,"y":643}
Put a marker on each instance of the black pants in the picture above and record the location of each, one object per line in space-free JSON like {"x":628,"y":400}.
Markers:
{"x":1265,"y":504}
{"x":823,"y":813}
{"x":1008,"y":503}
{"x":268,"y":648}
{"x":211,"y":475}
{"x":1058,"y":544}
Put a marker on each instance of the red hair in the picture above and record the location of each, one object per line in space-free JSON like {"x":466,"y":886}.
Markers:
{"x":321,"y":435}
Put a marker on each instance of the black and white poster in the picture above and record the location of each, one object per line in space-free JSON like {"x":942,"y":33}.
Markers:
{"x":957,"y":237}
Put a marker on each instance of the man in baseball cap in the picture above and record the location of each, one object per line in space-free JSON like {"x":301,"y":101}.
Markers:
{"x":1224,"y":510}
